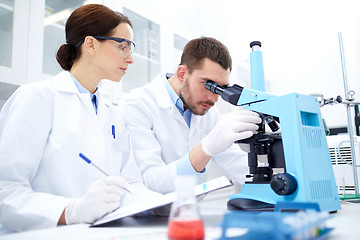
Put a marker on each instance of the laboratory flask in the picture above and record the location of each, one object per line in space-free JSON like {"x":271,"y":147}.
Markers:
{"x":185,"y":222}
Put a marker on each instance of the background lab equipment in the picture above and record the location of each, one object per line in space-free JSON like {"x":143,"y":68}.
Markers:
{"x":300,"y":150}
{"x":349,"y":143}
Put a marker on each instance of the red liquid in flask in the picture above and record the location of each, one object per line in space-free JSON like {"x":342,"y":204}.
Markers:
{"x":186,"y":230}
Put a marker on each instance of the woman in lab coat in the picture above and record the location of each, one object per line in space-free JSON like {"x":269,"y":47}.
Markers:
{"x":45,"y":125}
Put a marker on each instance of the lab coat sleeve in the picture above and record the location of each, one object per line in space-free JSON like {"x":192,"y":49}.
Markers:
{"x":25,"y":122}
{"x":132,"y":175}
{"x":130,"y":170}
{"x":156,"y":174}
{"x":234,"y":162}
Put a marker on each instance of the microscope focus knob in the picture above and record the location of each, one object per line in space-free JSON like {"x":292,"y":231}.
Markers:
{"x":283,"y":184}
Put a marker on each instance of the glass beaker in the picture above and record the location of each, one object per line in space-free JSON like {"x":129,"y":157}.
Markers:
{"x":185,"y":222}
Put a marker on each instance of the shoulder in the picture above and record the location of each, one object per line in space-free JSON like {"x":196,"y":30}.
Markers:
{"x":47,"y":85}
{"x":139,"y":106}
{"x":136,"y":106}
{"x":38,"y":94}
{"x":143,"y":97}
{"x":37,"y":91}
{"x":148,"y":91}
{"x":33,"y":101}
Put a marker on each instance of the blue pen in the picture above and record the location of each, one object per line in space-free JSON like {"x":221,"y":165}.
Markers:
{"x":113,"y":130}
{"x":93,"y":164}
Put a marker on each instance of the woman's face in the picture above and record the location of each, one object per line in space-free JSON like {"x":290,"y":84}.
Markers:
{"x":110,"y":61}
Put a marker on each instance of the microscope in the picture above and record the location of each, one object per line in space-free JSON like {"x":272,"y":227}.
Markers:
{"x":291,"y":163}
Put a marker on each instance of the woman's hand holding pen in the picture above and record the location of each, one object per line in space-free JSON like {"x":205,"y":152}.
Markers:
{"x":102,"y":197}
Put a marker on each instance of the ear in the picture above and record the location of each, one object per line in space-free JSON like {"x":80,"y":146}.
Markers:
{"x":180,"y":73}
{"x":89,"y":44}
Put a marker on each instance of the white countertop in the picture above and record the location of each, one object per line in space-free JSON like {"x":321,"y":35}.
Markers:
{"x":346,"y":224}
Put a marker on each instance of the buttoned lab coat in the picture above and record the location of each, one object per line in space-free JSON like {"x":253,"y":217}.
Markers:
{"x":161,"y":137}
{"x":43,"y":128}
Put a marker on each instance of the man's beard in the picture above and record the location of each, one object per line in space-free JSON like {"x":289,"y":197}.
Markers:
{"x":188,"y":103}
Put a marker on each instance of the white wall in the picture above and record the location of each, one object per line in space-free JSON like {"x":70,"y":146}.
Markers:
{"x":300,"y":40}
{"x":301,"y":47}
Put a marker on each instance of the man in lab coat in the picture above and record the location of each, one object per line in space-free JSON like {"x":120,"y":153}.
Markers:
{"x":174,"y":127}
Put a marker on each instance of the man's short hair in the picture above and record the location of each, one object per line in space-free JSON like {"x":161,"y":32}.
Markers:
{"x":196,"y":50}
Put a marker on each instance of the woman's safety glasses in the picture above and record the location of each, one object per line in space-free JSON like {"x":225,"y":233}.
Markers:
{"x":126,"y":46}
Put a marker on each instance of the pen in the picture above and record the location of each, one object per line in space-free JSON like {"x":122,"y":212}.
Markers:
{"x":113,"y":130}
{"x":93,"y":164}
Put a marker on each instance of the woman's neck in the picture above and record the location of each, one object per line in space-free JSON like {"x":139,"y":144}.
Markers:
{"x":85,"y":77}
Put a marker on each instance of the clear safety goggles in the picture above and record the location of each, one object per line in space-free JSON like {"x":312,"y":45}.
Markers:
{"x":126,"y":46}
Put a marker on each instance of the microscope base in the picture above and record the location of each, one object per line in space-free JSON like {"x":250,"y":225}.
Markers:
{"x":249,"y":205}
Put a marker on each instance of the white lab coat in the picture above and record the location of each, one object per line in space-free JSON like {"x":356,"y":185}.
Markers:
{"x":161,"y":137}
{"x":43,"y":128}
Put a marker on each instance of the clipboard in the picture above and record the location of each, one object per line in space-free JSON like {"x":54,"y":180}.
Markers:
{"x":162,"y":200}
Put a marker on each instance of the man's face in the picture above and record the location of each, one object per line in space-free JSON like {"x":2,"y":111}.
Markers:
{"x":193,"y":93}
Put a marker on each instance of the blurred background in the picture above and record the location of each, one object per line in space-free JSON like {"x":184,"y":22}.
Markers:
{"x":300,"y":42}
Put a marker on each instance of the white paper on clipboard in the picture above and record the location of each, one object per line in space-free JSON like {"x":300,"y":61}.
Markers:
{"x":212,"y":185}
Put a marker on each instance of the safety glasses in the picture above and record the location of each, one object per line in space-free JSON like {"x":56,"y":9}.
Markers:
{"x":126,"y":46}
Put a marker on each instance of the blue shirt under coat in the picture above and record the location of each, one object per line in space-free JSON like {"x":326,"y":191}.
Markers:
{"x":93,"y":96}
{"x":183,"y":166}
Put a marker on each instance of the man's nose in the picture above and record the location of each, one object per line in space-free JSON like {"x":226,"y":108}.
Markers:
{"x":213,"y":97}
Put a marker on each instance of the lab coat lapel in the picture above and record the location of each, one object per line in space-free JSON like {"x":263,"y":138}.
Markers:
{"x":65,"y":83}
{"x":164,"y":101}
{"x":103,"y":110}
{"x":174,"y":112}
{"x":85,"y":99}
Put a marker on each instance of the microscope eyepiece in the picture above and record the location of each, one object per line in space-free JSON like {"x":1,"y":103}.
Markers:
{"x":214,"y":87}
{"x":229,"y":94}
{"x":255,"y":43}
{"x":255,"y":46}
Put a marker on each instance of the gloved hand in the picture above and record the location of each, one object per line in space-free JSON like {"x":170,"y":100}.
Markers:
{"x":102,"y":197}
{"x":230,"y":128}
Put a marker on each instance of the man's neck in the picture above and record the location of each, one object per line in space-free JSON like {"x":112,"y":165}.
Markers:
{"x":175,"y":84}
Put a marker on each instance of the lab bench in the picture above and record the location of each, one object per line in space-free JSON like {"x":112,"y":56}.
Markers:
{"x":345,"y":224}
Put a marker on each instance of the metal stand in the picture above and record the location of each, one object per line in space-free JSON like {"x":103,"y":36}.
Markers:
{"x":349,"y":102}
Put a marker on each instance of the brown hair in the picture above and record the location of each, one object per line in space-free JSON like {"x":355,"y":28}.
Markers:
{"x":198,"y":49}
{"x":87,"y":20}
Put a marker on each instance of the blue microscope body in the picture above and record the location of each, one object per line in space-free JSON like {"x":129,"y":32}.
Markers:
{"x":299,"y":153}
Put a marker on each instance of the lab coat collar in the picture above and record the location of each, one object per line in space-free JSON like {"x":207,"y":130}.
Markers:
{"x":64,"y":82}
{"x":163,"y":99}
